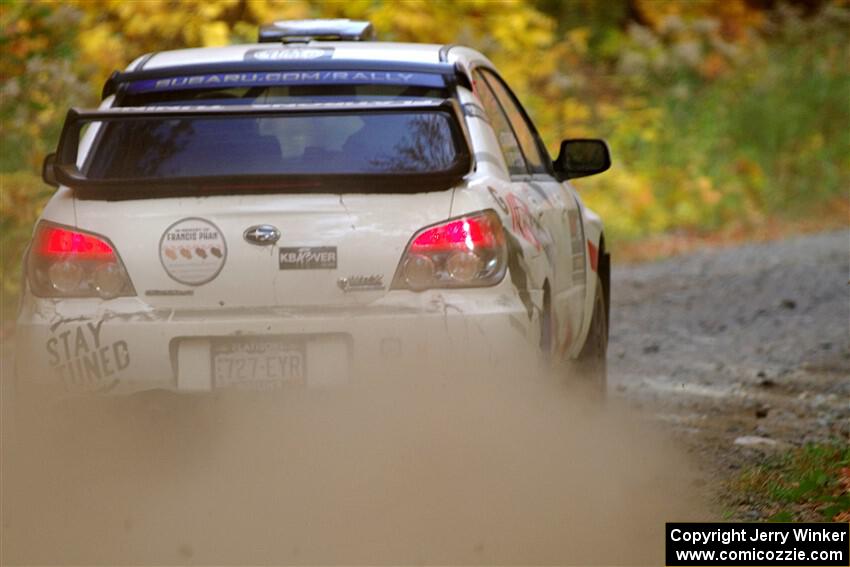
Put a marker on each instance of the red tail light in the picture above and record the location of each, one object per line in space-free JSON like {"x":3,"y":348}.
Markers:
{"x":462,"y":234}
{"x":56,"y":241}
{"x":66,"y":262}
{"x":468,"y":251}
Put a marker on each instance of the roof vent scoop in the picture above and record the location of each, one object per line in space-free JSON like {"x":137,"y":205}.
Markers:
{"x":302,"y":31}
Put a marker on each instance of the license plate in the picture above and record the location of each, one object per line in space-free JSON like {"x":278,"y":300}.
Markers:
{"x":259,"y":363}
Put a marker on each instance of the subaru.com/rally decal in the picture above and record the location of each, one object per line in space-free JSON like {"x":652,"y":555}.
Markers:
{"x":192,"y":251}
{"x":283,"y":78}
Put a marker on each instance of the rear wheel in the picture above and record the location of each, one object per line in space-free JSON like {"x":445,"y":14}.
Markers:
{"x":591,"y":365}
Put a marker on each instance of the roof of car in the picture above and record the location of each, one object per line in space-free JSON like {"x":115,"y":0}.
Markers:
{"x":348,"y":50}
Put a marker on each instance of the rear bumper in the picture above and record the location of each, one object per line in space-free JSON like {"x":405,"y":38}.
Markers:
{"x":124,"y":346}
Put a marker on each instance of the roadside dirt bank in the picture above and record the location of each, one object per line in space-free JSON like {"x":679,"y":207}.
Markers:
{"x":741,"y":351}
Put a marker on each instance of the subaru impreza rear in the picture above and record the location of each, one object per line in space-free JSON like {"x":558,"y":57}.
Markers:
{"x":212,"y":230}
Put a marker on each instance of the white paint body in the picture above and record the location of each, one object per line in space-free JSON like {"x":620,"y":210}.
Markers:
{"x":164,"y":341}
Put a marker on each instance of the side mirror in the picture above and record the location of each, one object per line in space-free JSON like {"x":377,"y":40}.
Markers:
{"x":47,"y":170}
{"x":581,"y":157}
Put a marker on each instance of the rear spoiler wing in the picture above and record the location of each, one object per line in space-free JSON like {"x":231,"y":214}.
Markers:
{"x":62,"y":166}
{"x":120,"y":82}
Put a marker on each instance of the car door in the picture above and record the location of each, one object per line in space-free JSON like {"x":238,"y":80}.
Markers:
{"x":554,"y":206}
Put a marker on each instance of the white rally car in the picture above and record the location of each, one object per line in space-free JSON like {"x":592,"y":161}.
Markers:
{"x":304,"y":210}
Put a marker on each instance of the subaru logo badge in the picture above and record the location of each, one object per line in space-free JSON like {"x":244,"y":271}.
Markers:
{"x":262,"y":235}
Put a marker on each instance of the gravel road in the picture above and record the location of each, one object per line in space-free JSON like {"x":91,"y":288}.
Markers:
{"x":740,"y":351}
{"x":736,"y":352}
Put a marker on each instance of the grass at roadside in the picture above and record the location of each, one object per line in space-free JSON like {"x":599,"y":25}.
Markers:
{"x":810,"y":483}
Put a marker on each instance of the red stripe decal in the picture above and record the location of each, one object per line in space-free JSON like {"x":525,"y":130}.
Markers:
{"x":594,"y":255}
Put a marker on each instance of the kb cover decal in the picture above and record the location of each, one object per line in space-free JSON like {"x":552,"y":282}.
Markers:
{"x":308,"y":258}
{"x":192,"y":251}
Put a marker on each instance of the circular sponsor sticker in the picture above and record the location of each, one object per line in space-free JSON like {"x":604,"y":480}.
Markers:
{"x":192,"y":251}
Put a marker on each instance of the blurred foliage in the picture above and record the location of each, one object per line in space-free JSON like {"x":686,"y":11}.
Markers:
{"x":711,"y":129}
{"x":717,"y":111}
{"x":21,"y":198}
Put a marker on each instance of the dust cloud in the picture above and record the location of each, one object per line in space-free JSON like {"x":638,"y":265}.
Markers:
{"x":478,"y":469}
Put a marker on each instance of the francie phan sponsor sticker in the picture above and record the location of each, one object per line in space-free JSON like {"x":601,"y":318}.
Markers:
{"x":193,"y":251}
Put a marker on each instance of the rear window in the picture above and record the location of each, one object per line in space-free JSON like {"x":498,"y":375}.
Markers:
{"x":370,"y":142}
{"x":366,"y":143}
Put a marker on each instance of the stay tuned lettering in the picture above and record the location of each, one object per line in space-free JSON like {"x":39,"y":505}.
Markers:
{"x":80,"y":358}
